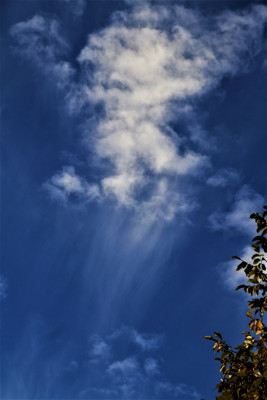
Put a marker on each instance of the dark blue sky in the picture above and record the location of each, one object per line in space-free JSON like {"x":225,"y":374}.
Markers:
{"x":133,"y":152}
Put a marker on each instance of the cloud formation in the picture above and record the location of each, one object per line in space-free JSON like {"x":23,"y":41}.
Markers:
{"x":134,"y":372}
{"x":145,"y":342}
{"x":66,"y":183}
{"x":223,"y":177}
{"x":237,"y":217}
{"x":99,"y":349}
{"x":138,"y":76}
{"x":40,"y":40}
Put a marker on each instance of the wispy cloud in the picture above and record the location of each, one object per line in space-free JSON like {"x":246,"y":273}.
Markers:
{"x":109,"y":368}
{"x":228,"y":273}
{"x":66,"y":183}
{"x":133,"y":374}
{"x":128,"y":366}
{"x":138,"y":75}
{"x":236,"y":218}
{"x":223,"y":177}
{"x":99,"y":349}
{"x":77,"y":6}
{"x":151,"y":366}
{"x":145,"y":342}
{"x":40,"y":40}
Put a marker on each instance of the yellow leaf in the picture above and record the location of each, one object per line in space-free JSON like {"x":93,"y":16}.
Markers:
{"x":259,"y":325}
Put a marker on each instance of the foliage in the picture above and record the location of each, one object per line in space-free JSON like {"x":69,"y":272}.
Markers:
{"x":244,"y":368}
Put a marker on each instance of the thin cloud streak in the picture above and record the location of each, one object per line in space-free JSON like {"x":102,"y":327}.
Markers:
{"x":125,"y":262}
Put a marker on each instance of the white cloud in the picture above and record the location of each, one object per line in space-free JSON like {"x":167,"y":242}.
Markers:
{"x":68,"y":181}
{"x":129,"y":372}
{"x":40,"y":40}
{"x":129,"y":366}
{"x":99,"y":349}
{"x":65,"y":183}
{"x":143,"y":62}
{"x":223,"y":177}
{"x":145,"y":341}
{"x":236,"y":218}
{"x":143,"y":71}
{"x":228,"y":273}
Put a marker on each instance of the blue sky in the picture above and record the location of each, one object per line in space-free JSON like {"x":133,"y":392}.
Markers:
{"x":133,"y":152}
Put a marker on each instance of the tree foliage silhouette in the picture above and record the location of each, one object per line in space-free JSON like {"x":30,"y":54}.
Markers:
{"x":244,"y":368}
